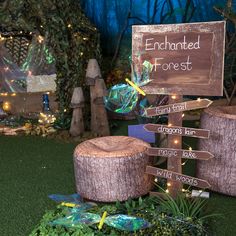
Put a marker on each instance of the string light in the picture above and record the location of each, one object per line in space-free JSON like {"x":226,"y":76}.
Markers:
{"x":6,"y":68}
{"x":11,"y":37}
{"x":184,"y":163}
{"x":167,"y":191}
{"x":46,"y":118}
{"x":155,"y":180}
{"x":40,"y":39}
{"x":199,"y":99}
{"x":168,"y":184}
{"x":13,"y":94}
{"x":69,"y":25}
{"x":189,"y":147}
{"x":4,"y":94}
{"x":176,"y":141}
{"x":1,"y":38}
{"x":81,"y":53}
{"x":183,"y":115}
{"x":173,"y":97}
{"x":85,"y":38}
{"x":169,"y":124}
{"x":6,"y":106}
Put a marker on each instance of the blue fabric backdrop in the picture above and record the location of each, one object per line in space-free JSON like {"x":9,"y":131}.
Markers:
{"x":113,"y":17}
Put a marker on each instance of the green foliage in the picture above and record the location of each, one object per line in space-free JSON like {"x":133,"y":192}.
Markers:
{"x":184,"y":207}
{"x":67,"y":32}
{"x":150,"y":208}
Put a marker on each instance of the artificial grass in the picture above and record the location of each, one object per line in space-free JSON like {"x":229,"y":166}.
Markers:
{"x":33,"y":167}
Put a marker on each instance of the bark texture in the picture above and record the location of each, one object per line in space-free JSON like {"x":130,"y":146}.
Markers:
{"x":220,"y":171}
{"x":100,"y":125}
{"x":112,"y":168}
{"x":77,"y":103}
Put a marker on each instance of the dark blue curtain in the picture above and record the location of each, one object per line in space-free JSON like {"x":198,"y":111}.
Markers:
{"x":115,"y":17}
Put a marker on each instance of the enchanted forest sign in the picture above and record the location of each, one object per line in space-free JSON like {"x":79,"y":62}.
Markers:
{"x":187,"y":59}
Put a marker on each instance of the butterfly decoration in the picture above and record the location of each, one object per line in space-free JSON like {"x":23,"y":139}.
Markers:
{"x":77,"y":215}
{"x":121,"y":222}
{"x":123,"y":98}
{"x":74,"y":201}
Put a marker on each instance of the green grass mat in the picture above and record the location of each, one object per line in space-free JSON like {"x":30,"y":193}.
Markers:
{"x":33,"y":167}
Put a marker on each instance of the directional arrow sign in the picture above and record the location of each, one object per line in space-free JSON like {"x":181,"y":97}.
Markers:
{"x":169,"y":152}
{"x":177,"y":130}
{"x":185,"y":179}
{"x":178,"y":107}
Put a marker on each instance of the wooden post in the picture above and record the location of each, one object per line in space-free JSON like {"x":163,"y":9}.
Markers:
{"x":174,"y":141}
{"x":102,"y":125}
{"x":77,"y":103}
{"x":93,"y":73}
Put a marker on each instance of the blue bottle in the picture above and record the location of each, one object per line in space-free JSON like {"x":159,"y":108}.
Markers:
{"x":46,"y":107}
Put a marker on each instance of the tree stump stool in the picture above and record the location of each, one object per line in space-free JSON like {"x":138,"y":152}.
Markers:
{"x":112,"y":168}
{"x":220,"y":171}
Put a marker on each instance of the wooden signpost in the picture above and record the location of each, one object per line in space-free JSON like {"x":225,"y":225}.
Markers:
{"x":187,"y":59}
{"x":188,"y":154}
{"x":178,"y":107}
{"x":177,"y":130}
{"x":185,"y":179}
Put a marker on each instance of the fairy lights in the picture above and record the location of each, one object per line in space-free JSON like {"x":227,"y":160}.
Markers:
{"x":40,"y":39}
{"x":3,"y":94}
{"x":6,"y":106}
{"x":174,"y":97}
{"x":176,"y":141}
{"x":46,"y":118}
{"x":184,"y":163}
